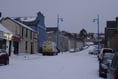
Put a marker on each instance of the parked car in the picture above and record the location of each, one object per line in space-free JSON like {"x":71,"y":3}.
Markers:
{"x":104,"y":64}
{"x":72,"y":50}
{"x":94,"y":51}
{"x":103,"y":51}
{"x":4,"y":57}
{"x":113,"y":69}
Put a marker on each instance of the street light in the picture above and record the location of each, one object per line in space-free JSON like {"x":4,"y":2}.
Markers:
{"x":97,"y":19}
{"x":58,"y":21}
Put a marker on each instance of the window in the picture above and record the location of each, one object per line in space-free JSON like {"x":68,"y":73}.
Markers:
{"x":26,"y":32}
{"x":22,"y":31}
{"x":26,"y":45}
{"x":30,"y":34}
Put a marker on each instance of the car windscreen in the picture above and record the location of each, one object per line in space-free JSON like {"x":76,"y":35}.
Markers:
{"x":109,"y":51}
{"x":107,"y":57}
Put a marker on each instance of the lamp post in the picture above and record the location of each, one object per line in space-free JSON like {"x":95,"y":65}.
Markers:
{"x":97,"y":19}
{"x":57,"y":40}
{"x":58,"y":21}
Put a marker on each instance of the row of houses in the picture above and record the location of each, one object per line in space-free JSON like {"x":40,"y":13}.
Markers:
{"x":20,"y":38}
{"x":26,"y":34}
{"x":24,"y":38}
{"x":66,"y":40}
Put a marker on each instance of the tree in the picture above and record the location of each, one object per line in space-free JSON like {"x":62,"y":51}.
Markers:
{"x":83,"y":34}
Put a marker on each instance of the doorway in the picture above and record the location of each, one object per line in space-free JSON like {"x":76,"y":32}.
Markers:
{"x":32,"y":48}
{"x":16,"y":46}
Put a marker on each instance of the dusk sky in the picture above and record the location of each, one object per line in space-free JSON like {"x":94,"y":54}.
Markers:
{"x":77,"y":14}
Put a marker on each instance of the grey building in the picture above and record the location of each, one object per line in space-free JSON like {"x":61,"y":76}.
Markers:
{"x":111,"y":34}
{"x":66,"y":40}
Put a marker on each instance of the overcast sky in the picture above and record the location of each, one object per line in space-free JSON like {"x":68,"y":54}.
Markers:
{"x":77,"y":14}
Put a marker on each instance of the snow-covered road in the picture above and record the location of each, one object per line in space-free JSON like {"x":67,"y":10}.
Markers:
{"x":79,"y":65}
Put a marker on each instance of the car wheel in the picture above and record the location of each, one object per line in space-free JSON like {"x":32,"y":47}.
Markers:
{"x":6,"y":62}
{"x":43,"y":54}
{"x":53,"y":54}
{"x":100,"y":75}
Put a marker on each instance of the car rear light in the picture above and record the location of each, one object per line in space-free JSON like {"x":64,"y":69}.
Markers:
{"x":116,"y":76}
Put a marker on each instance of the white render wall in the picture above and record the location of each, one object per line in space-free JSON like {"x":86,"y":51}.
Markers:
{"x":16,"y":29}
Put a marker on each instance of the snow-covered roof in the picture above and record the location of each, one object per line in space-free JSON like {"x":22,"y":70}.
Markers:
{"x":2,"y":28}
{"x":23,"y":25}
{"x":27,"y":19}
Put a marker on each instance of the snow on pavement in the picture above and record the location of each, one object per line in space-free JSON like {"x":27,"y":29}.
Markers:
{"x":79,"y":65}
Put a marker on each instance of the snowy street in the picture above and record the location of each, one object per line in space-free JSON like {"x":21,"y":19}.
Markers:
{"x":79,"y":65}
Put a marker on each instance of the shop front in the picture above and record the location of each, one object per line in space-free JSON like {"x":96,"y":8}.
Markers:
{"x":16,"y":40}
{"x":5,"y":41}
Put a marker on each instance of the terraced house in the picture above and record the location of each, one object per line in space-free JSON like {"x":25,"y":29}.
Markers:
{"x":38,"y":24}
{"x":24,"y":39}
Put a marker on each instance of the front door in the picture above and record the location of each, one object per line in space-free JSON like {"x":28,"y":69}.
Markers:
{"x":16,"y":47}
